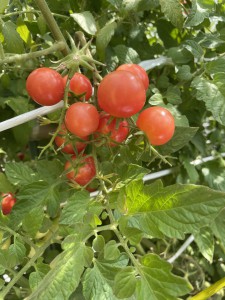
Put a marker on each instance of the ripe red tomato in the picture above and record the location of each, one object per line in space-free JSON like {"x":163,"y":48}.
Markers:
{"x":45,"y":86}
{"x":136,"y":70}
{"x":82,"y":119}
{"x":8,"y":201}
{"x":109,"y":127}
{"x":121,"y":94}
{"x":157,"y":123}
{"x":69,"y":146}
{"x":80,"y":84}
{"x":80,"y":171}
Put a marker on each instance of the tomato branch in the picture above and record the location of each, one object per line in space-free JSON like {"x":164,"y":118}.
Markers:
{"x":53,"y":26}
{"x":59,"y":46}
{"x":38,"y":253}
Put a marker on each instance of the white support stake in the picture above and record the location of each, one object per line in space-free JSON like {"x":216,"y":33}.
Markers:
{"x":31,"y":115}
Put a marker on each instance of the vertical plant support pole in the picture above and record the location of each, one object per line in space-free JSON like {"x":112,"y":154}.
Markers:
{"x":53,"y":26}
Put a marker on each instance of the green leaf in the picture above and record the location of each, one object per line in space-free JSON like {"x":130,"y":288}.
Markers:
{"x":134,"y":235}
{"x":41,"y":24}
{"x":54,"y":168}
{"x":34,"y":279}
{"x":64,"y":277}
{"x":131,"y":4}
{"x":197,"y":15}
{"x":96,"y":287}
{"x":181,"y":137}
{"x":98,"y":243}
{"x":156,"y":273}
{"x":104,"y":36}
{"x":33,"y":221}
{"x":6,"y":260}
{"x":3,"y":5}
{"x":216,"y":66}
{"x":195,"y":49}
{"x":23,"y":31}
{"x":76,"y":208}
{"x":214,"y":174}
{"x":173,"y":95}
{"x":125,"y":283}
{"x":5,"y":185}
{"x":98,"y":281}
{"x":20,"y":174}
{"x":191,"y":171}
{"x":175,"y":210}
{"x":184,"y":73}
{"x":2,"y":283}
{"x":179,"y":55}
{"x":115,"y":3}
{"x":111,"y":251}
{"x":12,"y":40}
{"x":109,"y":268}
{"x":209,"y":93}
{"x":17,"y":250}
{"x":86,"y":21}
{"x":205,"y":241}
{"x":31,"y":196}
{"x":126,"y":54}
{"x":172,"y":10}
{"x":218,"y":227}
{"x":19,"y":105}
{"x":130,"y":172}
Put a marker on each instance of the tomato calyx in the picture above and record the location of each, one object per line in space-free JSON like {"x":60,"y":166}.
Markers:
{"x":69,"y":143}
{"x":111,"y":131}
{"x":80,"y":170}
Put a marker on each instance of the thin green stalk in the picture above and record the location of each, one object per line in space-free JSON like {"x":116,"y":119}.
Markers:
{"x":53,"y":26}
{"x":2,"y":54}
{"x":38,"y":253}
{"x":21,"y":57}
{"x":15,"y":13}
{"x":24,"y":238}
{"x":121,"y":240}
{"x":61,"y":118}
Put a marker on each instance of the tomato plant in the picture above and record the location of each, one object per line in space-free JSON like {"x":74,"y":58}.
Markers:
{"x":136,"y":70}
{"x":81,"y":171}
{"x":121,"y":94}
{"x":157,"y":123}
{"x":116,"y":131}
{"x":45,"y":86}
{"x":8,"y":201}
{"x":69,"y":144}
{"x":82,"y":119}
{"x":154,"y":227}
{"x":80,"y":85}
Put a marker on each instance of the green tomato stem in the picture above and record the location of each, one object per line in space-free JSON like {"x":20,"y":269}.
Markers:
{"x":37,"y":254}
{"x":53,"y":26}
{"x":21,"y":57}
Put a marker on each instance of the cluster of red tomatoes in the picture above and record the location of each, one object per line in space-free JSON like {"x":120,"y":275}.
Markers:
{"x":120,"y":95}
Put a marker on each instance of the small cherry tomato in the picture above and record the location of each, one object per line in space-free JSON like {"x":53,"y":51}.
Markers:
{"x":82,"y":119}
{"x":136,"y":70}
{"x":81,"y":170}
{"x":45,"y":86}
{"x":108,"y":126}
{"x":80,"y":84}
{"x":8,"y":201}
{"x":157,"y":123}
{"x":68,"y":145}
{"x":121,"y":94}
